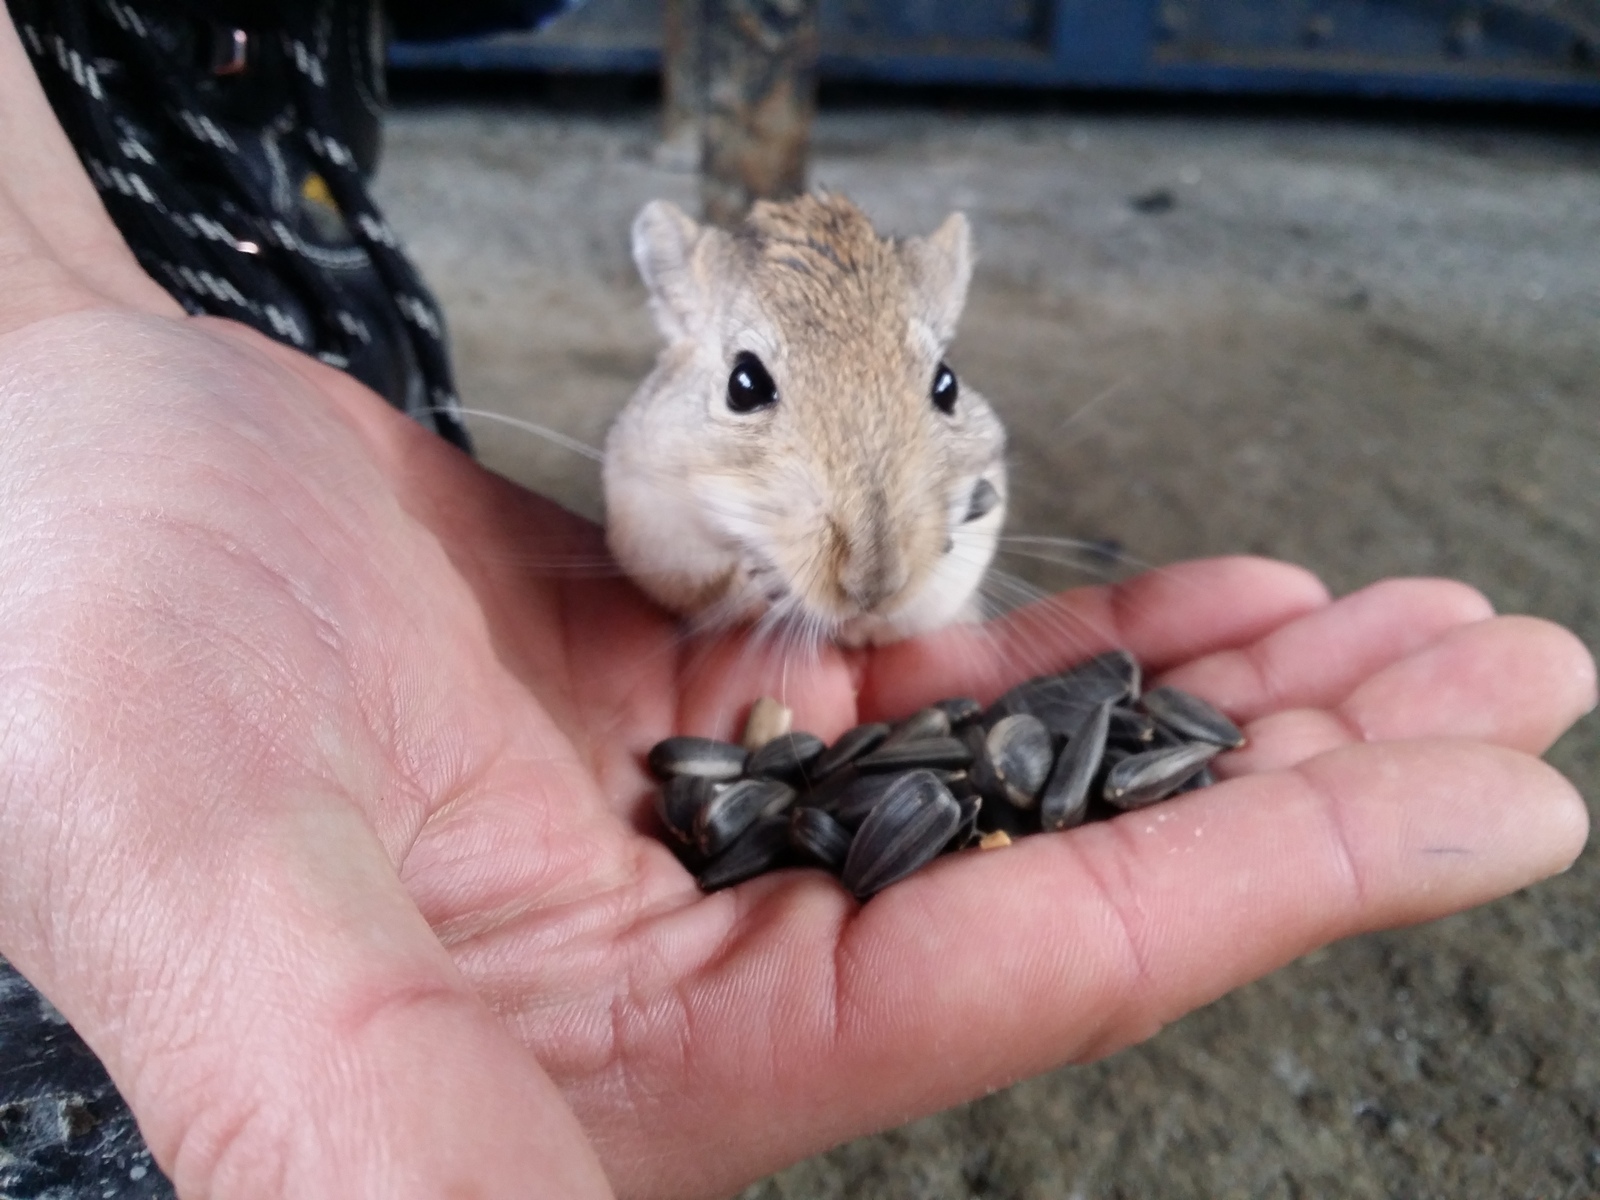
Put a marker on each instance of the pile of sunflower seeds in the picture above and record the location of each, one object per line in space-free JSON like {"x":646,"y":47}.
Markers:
{"x":886,"y":800}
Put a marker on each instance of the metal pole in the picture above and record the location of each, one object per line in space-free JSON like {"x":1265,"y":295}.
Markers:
{"x":683,"y":84}
{"x":759,"y":63}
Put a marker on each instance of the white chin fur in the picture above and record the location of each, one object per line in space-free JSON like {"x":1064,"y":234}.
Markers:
{"x":948,"y":596}
{"x":657,"y":536}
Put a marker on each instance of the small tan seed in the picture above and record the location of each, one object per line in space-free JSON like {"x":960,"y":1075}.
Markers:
{"x":768,"y":719}
{"x":995,"y":840}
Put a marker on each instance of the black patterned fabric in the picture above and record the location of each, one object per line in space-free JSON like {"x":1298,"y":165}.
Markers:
{"x":235,"y":159}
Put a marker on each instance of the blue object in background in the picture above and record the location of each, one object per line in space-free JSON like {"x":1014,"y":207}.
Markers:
{"x":1545,"y":51}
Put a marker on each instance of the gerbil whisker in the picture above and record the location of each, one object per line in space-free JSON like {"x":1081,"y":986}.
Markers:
{"x":1098,"y":399}
{"x":1035,"y":607}
{"x":555,"y":436}
{"x":1079,"y":547}
{"x":1038,"y":548}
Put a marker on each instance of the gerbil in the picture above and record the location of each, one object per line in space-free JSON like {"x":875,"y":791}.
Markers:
{"x":801,"y":455}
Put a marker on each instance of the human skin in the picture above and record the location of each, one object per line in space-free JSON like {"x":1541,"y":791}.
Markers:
{"x":322,"y":814}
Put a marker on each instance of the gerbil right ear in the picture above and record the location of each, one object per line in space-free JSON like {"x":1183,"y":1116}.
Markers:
{"x":941,"y":268}
{"x":665,"y":239}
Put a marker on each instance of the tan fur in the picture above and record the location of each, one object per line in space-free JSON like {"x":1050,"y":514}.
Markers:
{"x":841,"y":498}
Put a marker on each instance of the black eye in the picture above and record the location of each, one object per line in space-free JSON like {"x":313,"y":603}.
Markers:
{"x":749,"y":385}
{"x":945,"y":389}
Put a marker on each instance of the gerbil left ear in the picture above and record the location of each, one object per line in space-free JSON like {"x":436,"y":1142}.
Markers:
{"x":940,"y":267}
{"x":666,"y":241}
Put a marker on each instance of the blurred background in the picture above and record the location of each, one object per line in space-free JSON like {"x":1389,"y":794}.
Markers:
{"x":1317,"y":279}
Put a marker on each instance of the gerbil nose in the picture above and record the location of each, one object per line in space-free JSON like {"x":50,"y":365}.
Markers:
{"x":874,"y":567}
{"x":868,"y":579}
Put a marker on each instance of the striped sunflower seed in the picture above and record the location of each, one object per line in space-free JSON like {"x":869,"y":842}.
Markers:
{"x":1063,"y":701}
{"x":705,"y":757}
{"x":1142,"y":779}
{"x":913,"y":822}
{"x":680,"y":800}
{"x":1191,"y":717}
{"x":849,"y":746}
{"x":1065,"y":800}
{"x":762,"y":847}
{"x":861,"y":797}
{"x":734,"y":808}
{"x":946,"y":752}
{"x":787,"y":756}
{"x":962,"y":710}
{"x":1131,"y":729}
{"x":818,"y":837}
{"x":928,"y":723}
{"x":1019,"y":753}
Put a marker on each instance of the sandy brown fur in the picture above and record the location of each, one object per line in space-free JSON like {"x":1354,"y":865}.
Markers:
{"x":824,"y":273}
{"x":842,"y":492}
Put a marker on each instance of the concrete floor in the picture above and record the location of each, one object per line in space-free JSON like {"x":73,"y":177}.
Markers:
{"x":1373,"y":349}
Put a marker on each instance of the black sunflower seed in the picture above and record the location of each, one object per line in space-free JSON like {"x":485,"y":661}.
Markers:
{"x":967,"y":831}
{"x":736,"y":807}
{"x":1063,"y":701}
{"x":679,"y":801}
{"x":981,"y":770}
{"x":1130,"y":729}
{"x":959,"y":783}
{"x":1019,"y":753}
{"x":1065,"y":799}
{"x":920,"y":726}
{"x":705,"y":757}
{"x":850,"y":745}
{"x":762,"y":847}
{"x":1191,"y":717}
{"x":907,"y":829}
{"x":1204,"y":778}
{"x":858,"y":799}
{"x":824,"y":793}
{"x":1047,"y":755}
{"x":1142,"y":779}
{"x":962,"y":710}
{"x":945,"y":752}
{"x":786,"y":756}
{"x":818,"y":837}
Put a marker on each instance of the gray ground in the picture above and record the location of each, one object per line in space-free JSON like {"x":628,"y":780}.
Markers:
{"x":1374,"y":350}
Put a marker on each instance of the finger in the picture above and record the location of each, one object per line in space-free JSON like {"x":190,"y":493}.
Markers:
{"x":1517,"y":682}
{"x":988,"y":967}
{"x":1164,"y":617}
{"x":721,"y":677}
{"x":1315,"y":661}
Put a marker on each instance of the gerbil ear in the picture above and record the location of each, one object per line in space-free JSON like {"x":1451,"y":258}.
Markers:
{"x":940,"y":266}
{"x":664,"y":242}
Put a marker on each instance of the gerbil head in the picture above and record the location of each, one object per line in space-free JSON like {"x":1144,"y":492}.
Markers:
{"x":802,"y":455}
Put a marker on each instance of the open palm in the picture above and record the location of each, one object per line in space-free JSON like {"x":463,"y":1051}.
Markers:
{"x":357,"y":891}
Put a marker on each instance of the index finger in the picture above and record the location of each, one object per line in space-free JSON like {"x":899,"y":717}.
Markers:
{"x":1164,"y":617}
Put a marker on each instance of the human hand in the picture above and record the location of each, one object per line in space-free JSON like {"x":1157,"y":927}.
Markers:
{"x":322,"y":816}
{"x":326,"y":743}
